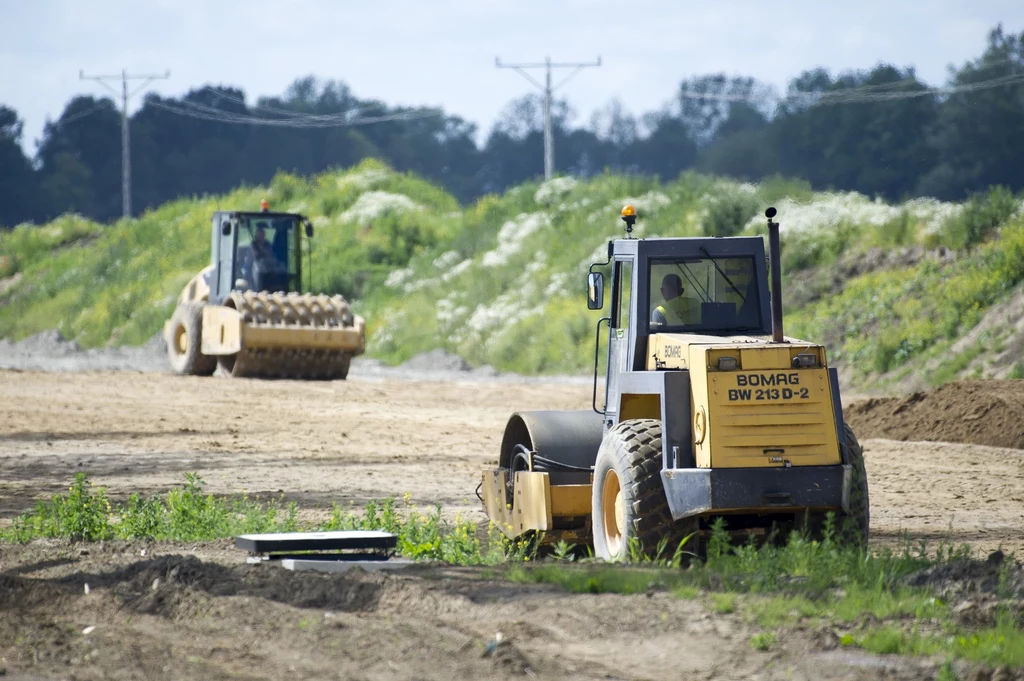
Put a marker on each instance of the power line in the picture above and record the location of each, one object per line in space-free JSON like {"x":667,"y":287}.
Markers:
{"x":864,"y":94}
{"x":549,"y":143}
{"x":340,"y":119}
{"x":126,"y":157}
{"x":64,"y":120}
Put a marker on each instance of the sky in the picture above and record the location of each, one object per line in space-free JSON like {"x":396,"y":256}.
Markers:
{"x":442,"y":52}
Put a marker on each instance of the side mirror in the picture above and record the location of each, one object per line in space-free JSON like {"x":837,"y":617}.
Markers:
{"x":225,"y":228}
{"x":595,"y":291}
{"x":309,"y":228}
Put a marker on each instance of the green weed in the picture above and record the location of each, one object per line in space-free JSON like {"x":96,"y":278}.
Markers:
{"x":762,"y":641}
{"x":723,"y":602}
{"x":563,"y":550}
{"x":83,"y":513}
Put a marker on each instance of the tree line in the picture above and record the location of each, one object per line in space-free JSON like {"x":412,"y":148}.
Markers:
{"x":881,"y":132}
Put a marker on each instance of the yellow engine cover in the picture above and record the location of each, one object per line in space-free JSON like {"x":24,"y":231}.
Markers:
{"x":764,"y":412}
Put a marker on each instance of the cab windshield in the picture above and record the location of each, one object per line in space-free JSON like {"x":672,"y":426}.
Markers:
{"x":265,"y":256}
{"x":707,"y":295}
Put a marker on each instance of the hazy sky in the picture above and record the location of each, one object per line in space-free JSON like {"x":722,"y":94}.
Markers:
{"x":441,"y":52}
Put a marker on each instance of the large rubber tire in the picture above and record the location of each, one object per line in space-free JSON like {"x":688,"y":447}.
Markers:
{"x":184,"y":347}
{"x":855,"y":525}
{"x":629,"y":507}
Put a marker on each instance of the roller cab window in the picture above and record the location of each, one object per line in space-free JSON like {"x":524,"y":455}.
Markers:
{"x":704,"y":295}
{"x":266,"y":259}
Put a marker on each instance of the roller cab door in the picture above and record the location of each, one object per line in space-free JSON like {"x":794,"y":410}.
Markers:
{"x":224,"y":249}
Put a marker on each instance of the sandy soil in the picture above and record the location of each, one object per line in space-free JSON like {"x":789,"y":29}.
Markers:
{"x":212,"y":616}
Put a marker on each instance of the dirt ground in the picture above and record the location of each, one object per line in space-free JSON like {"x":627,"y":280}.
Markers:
{"x":184,"y":611}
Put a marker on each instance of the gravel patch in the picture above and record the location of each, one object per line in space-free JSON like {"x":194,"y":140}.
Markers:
{"x":50,"y":351}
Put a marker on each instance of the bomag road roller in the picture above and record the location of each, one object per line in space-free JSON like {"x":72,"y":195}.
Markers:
{"x":709,"y":411}
{"x":245,"y":313}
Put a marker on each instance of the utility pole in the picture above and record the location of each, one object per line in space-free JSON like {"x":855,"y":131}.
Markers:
{"x":126,"y":157}
{"x":549,"y":142}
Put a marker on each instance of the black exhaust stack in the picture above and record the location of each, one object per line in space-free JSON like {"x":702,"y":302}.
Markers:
{"x":775,"y":263}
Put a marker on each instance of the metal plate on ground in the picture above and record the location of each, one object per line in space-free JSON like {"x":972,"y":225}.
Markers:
{"x":327,"y":565}
{"x":350,"y":540}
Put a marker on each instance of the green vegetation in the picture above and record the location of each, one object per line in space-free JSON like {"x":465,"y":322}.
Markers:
{"x":500,"y":282}
{"x":885,"y":319}
{"x":864,"y":597}
{"x":762,"y":641}
{"x":187,"y":514}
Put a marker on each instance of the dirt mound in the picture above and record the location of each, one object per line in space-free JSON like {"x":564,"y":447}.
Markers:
{"x":974,"y":412}
{"x":165,"y":586}
{"x":974,"y":579}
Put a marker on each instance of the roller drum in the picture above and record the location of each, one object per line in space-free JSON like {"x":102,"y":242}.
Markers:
{"x":284,"y":311}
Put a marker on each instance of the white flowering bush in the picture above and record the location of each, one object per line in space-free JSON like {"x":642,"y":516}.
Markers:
{"x":511,"y":236}
{"x":829,"y":210}
{"x":371,"y":205}
{"x":554,"y":189}
{"x":362,"y":179}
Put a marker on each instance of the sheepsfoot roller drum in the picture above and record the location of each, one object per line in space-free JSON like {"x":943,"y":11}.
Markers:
{"x":709,"y":412}
{"x":244,"y":313}
{"x":280,"y":335}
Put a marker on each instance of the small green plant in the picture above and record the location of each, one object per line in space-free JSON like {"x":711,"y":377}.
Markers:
{"x":563,"y":550}
{"x":947,"y":672}
{"x":723,"y":603}
{"x":82,"y":514}
{"x":720,"y":541}
{"x":762,"y":641}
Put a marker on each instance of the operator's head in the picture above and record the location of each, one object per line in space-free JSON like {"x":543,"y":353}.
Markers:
{"x":671,"y":286}
{"x":261,"y":232}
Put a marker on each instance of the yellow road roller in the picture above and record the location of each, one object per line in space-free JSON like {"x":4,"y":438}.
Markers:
{"x":246,"y":314}
{"x":709,"y":411}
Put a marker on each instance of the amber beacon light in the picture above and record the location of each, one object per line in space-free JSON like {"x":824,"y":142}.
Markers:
{"x":629,"y":217}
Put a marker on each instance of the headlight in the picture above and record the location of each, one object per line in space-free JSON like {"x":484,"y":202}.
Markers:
{"x":727,"y":364}
{"x":805,"y":360}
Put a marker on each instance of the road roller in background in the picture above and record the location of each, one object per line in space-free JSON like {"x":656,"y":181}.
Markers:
{"x":247,"y":313}
{"x":709,"y":412}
